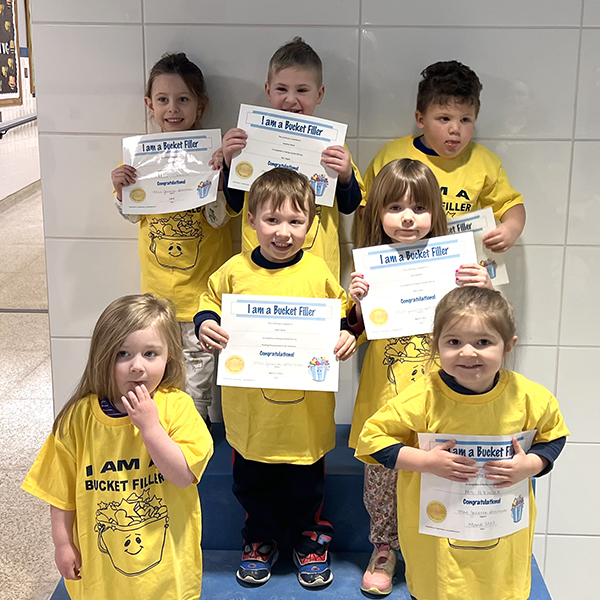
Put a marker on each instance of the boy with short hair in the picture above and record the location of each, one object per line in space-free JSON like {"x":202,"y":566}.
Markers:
{"x":279,"y":437}
{"x":295,"y":84}
{"x":470,"y":176}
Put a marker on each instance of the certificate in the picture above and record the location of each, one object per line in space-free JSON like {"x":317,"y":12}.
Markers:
{"x":480,"y":222}
{"x":280,"y":343}
{"x":408,"y":280}
{"x":476,"y":510}
{"x":173,"y":173}
{"x":281,"y":139}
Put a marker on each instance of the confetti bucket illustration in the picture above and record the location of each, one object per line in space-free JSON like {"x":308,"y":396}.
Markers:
{"x":517,"y":509}
{"x":319,"y":184}
{"x":204,"y":188}
{"x":318,"y":368}
{"x":490,"y":266}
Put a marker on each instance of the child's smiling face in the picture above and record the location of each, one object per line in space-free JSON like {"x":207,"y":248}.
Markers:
{"x":294,"y":90}
{"x":281,"y":233}
{"x":447,"y":128}
{"x":172,"y":104}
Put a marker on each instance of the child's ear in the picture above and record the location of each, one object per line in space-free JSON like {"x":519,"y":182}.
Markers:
{"x":419,"y":119}
{"x":251,"y":221}
{"x":320,"y":94}
{"x":510,"y":345}
{"x":268,"y":90}
{"x":148,"y":102}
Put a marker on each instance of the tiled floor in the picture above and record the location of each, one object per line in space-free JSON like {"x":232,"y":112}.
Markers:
{"x":27,"y":570}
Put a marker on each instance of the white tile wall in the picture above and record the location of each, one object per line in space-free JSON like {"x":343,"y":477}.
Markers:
{"x":538,"y":61}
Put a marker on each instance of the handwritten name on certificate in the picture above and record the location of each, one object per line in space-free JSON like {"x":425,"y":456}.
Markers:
{"x":408,"y":280}
{"x":173,"y":173}
{"x":480,"y":222}
{"x":280,"y":343}
{"x":281,"y":139}
{"x":476,"y":510}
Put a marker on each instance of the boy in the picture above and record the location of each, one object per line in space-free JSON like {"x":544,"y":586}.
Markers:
{"x":279,"y":437}
{"x":470,"y":176}
{"x":295,"y":84}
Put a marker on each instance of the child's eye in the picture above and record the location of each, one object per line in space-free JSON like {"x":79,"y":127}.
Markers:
{"x":484,"y":342}
{"x":302,"y":90}
{"x":420,"y":209}
{"x":394,"y":208}
{"x":453,"y":342}
{"x":466,"y":120}
{"x":122,"y":354}
{"x":281,"y":89}
{"x":150,"y":353}
{"x":184,"y":99}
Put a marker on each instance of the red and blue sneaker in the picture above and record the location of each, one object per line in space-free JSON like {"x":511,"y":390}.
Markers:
{"x":313,"y":567}
{"x":257,"y":560}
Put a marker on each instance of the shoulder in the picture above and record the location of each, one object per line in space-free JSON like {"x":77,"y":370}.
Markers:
{"x":172,"y":401}
{"x":480,"y":153}
{"x":520,"y":384}
{"x":396,"y":147}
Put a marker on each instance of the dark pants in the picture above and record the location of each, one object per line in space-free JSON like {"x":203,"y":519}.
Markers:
{"x":279,"y":497}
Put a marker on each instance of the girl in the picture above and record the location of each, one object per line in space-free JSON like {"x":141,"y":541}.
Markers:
{"x":405,"y":205}
{"x":474,"y":329}
{"x":179,"y":251}
{"x":120,"y":466}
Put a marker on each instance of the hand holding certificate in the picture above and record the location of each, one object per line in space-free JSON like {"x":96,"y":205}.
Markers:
{"x":280,"y":343}
{"x":408,"y":280}
{"x":281,"y":139}
{"x":173,"y":171}
{"x":475,"y":510}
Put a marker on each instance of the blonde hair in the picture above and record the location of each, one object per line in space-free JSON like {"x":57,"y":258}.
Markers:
{"x":470,"y":301}
{"x":120,"y":319}
{"x":279,"y":185}
{"x":397,"y":179}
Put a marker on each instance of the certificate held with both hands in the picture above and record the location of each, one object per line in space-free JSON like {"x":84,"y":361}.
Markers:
{"x":281,"y":139}
{"x":475,"y":510}
{"x":281,"y":343}
{"x":173,"y":171}
{"x":408,"y":280}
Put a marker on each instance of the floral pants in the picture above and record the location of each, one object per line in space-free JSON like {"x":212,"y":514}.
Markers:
{"x":379,"y":496}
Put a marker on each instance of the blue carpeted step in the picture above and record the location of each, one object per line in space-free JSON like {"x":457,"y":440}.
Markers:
{"x":219,"y":582}
{"x":223,"y":517}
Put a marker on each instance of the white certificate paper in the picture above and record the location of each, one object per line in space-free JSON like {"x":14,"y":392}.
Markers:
{"x":474,"y":511}
{"x":480,"y":222}
{"x":280,"y":343}
{"x":282,"y":139}
{"x":173,"y":173}
{"x":407,"y":281}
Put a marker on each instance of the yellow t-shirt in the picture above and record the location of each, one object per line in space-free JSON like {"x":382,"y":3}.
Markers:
{"x":472,"y":180}
{"x":138,"y":534}
{"x":178,"y":253}
{"x":322,"y":238}
{"x":276,"y":426}
{"x":497,"y":569}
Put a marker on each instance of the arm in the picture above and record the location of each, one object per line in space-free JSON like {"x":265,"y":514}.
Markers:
{"x":66,"y":554}
{"x":122,"y":176}
{"x":505,"y":235}
{"x":165,"y":453}
{"x":346,"y":345}
{"x":212,"y":336}
{"x":358,"y":289}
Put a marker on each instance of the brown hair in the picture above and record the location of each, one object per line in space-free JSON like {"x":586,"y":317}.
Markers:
{"x":446,"y":82}
{"x":296,"y":54}
{"x":393,"y":182}
{"x":120,"y":319}
{"x":180,"y":64}
{"x":279,"y":185}
{"x":471,"y":301}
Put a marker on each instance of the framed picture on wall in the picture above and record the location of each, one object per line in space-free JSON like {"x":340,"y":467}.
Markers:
{"x":29,"y":47}
{"x":10,"y":74}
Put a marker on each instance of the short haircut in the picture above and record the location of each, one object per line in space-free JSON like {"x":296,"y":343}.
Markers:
{"x":296,"y":54}
{"x":180,"y":64}
{"x":120,"y":319}
{"x":446,"y":82}
{"x":393,"y":182}
{"x":279,"y":185}
{"x":470,"y":301}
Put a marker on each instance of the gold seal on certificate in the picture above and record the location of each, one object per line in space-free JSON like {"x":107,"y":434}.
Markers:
{"x":244,"y":169}
{"x":137,"y":195}
{"x":234,"y":364}
{"x":378,"y":316}
{"x":436,"y":511}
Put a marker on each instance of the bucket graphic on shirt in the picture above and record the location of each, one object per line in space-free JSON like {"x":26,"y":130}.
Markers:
{"x":516,"y":509}
{"x":175,"y":240}
{"x":132,"y":532}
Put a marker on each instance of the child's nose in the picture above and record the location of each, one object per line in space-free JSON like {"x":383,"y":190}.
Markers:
{"x":137,"y":364}
{"x":283,"y":230}
{"x":408,"y":216}
{"x":468,"y":350}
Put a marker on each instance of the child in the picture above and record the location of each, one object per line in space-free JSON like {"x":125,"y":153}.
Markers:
{"x":471,"y":176}
{"x":474,"y":329}
{"x":295,"y":84}
{"x":178,"y":251}
{"x":279,"y":437}
{"x":404,"y":206}
{"x":120,"y":466}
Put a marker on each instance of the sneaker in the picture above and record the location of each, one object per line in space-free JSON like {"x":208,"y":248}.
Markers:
{"x":257,"y":560}
{"x":313,"y":568}
{"x":377,"y":579}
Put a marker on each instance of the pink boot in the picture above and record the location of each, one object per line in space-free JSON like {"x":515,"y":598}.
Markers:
{"x":380,"y":572}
